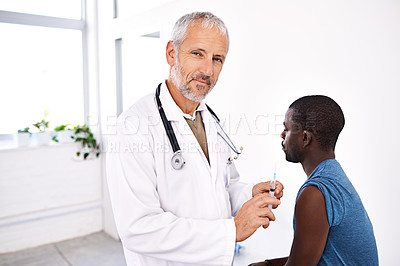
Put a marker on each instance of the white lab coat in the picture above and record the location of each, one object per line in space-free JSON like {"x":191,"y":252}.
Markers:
{"x":166,"y":216}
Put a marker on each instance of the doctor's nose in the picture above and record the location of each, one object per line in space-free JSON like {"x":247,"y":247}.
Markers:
{"x":207,"y":67}
{"x":283,"y":134}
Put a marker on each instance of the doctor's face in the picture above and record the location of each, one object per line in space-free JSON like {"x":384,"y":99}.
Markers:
{"x":199,"y":62}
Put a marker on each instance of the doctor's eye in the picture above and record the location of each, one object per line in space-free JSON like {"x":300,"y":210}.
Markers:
{"x":218,"y":59}
{"x":196,"y":53}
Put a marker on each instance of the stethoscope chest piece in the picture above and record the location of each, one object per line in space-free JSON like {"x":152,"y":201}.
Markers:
{"x":177,"y":160}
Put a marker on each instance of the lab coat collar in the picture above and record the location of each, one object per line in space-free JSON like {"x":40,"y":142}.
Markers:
{"x":171,"y":109}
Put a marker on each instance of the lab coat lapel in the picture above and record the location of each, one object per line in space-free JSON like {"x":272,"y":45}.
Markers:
{"x":172,"y":111}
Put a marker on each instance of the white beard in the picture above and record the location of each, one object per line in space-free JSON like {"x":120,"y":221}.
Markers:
{"x":187,"y":92}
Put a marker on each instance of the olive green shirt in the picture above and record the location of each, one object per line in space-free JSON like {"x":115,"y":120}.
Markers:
{"x":197,"y":127}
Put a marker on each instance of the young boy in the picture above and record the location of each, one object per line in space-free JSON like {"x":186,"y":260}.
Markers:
{"x":331,"y":226}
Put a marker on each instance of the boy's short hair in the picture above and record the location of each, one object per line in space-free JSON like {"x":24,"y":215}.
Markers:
{"x":320,"y":115}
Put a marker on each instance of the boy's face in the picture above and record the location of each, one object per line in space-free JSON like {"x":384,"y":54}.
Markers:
{"x":292,"y":139}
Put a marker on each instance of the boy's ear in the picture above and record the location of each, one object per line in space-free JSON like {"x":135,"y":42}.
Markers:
{"x":307,"y":138}
{"x":170,"y":53}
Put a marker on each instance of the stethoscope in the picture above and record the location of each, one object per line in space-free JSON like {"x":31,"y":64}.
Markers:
{"x":177,"y":160}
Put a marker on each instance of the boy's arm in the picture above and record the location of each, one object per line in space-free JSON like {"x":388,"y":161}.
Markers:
{"x":311,"y":230}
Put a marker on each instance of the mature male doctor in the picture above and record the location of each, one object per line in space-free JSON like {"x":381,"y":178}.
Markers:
{"x":173,"y":186}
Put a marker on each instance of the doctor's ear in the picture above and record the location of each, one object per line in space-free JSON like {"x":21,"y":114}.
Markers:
{"x":307,"y":137}
{"x":170,"y":53}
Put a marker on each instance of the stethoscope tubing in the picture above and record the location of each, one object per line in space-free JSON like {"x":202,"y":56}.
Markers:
{"x":177,"y":160}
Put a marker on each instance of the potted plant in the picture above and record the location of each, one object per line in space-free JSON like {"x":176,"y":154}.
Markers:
{"x":64,"y":134}
{"x":89,"y":148}
{"x":23,"y":137}
{"x":43,"y":136}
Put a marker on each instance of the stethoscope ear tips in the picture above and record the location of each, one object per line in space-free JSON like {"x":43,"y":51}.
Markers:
{"x":177,"y":160}
{"x":238,"y":153}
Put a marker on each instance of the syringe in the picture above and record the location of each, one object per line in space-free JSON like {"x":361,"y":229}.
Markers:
{"x":272,"y":185}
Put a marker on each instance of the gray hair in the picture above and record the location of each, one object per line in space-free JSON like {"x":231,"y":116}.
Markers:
{"x":208,"y":19}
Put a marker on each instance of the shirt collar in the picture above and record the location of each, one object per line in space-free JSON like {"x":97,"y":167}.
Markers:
{"x":171,"y":109}
{"x":201,"y":107}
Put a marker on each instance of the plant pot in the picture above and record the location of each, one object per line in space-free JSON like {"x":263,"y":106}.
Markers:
{"x":42,"y":138}
{"x":82,"y":135}
{"x":64,"y":136}
{"x":23,"y":139}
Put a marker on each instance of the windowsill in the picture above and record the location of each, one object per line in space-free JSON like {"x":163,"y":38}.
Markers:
{"x":10,"y":142}
{"x":7,"y":145}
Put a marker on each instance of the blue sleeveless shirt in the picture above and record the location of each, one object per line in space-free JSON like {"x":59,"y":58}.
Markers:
{"x":351,"y":239}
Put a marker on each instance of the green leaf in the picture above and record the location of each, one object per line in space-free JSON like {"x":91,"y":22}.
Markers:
{"x":41,"y":125}
{"x":25,"y":130}
{"x":84,"y":135}
{"x":63,"y":127}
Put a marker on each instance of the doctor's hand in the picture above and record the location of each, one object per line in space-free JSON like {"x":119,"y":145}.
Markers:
{"x":253,"y":214}
{"x":263,"y":187}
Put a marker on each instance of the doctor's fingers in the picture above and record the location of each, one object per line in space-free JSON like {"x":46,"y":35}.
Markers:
{"x":265,"y":213}
{"x":261,"y":221}
{"x":279,"y":190}
{"x":263,"y":200}
{"x":265,"y":222}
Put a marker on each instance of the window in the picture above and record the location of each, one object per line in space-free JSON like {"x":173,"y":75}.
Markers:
{"x":140,"y":68}
{"x":54,"y":8}
{"x":41,"y":64}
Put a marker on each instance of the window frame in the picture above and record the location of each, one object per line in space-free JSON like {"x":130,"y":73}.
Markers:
{"x":59,"y":23}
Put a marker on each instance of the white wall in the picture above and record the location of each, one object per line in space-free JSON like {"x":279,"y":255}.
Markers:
{"x":46,"y":196}
{"x":280,"y":51}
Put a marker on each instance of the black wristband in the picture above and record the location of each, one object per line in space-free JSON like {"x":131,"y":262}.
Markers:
{"x":269,"y":262}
